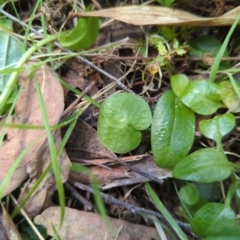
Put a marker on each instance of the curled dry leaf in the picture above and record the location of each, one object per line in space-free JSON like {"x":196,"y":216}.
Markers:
{"x":8,"y":231}
{"x":88,"y":226}
{"x":111,"y":174}
{"x":152,"y":15}
{"x":27,"y":110}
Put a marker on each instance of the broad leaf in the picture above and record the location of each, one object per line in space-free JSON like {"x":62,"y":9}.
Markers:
{"x":229,"y":96}
{"x":82,"y":36}
{"x":121,"y":118}
{"x":205,"y":166}
{"x":172,"y":132}
{"x":202,"y":96}
{"x":212,"y":216}
{"x":217,"y":127}
{"x":189,"y":194}
{"x":208,"y":46}
{"x":178,"y":83}
{"x":11,"y":50}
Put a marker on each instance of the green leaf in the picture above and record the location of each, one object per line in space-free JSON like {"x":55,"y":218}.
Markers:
{"x":172,"y":132}
{"x":211,"y":217}
{"x":121,"y":118}
{"x":168,"y":33}
{"x":178,"y":83}
{"x":205,"y":166}
{"x":202,"y":96}
{"x":229,"y":232}
{"x":208,"y":45}
{"x":11,"y":50}
{"x":166,"y":3}
{"x":229,"y":96}
{"x":189,"y":194}
{"x":217,"y":127}
{"x":82,"y":36}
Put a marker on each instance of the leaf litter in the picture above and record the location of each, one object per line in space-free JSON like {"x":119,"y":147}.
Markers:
{"x":91,"y":226}
{"x":27,"y":111}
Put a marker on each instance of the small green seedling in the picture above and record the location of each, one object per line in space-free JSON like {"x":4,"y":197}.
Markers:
{"x":122,"y":117}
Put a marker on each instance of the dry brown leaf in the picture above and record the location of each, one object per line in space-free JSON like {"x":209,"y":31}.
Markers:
{"x":28,"y":111}
{"x":114,"y":174}
{"x":41,"y":198}
{"x":8,"y":231}
{"x":152,"y":15}
{"x":84,"y":143}
{"x":86,"y":225}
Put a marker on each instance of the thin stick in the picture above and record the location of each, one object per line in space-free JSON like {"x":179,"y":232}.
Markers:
{"x":132,"y":208}
{"x":87,"y":205}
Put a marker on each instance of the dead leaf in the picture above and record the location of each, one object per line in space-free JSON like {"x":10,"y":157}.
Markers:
{"x":151,"y":15}
{"x":41,"y":198}
{"x":84,"y":143}
{"x":115,"y":175}
{"x":28,"y":111}
{"x":8,"y":231}
{"x":88,"y":226}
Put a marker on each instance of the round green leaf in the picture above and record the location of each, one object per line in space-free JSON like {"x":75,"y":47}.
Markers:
{"x":189,"y":194}
{"x":218,"y":127}
{"x":210,"y":217}
{"x":202,"y":96}
{"x":172,"y":132}
{"x":82,"y":36}
{"x":205,"y":166}
{"x":121,"y":118}
{"x":178,"y":83}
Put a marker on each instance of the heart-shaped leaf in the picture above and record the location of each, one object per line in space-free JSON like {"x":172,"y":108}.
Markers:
{"x":82,"y":36}
{"x":202,"y":96}
{"x":212,"y":216}
{"x":205,"y":166}
{"x":218,"y":127}
{"x":121,"y":118}
{"x":173,"y":129}
{"x":178,"y":83}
